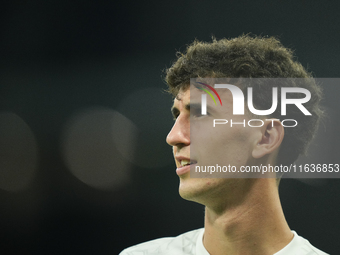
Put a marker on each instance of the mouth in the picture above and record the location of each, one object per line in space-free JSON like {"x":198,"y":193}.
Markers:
{"x":186,"y":162}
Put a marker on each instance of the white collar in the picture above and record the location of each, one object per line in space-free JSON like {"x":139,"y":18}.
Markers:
{"x":296,"y":243}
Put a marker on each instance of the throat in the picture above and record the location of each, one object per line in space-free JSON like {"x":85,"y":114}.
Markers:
{"x":254,"y":226}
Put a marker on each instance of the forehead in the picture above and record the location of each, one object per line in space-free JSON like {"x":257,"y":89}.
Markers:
{"x":194,"y":95}
{"x":192,"y":99}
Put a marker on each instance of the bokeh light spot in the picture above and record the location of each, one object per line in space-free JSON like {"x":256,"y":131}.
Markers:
{"x":90,"y":148}
{"x":18,"y":153}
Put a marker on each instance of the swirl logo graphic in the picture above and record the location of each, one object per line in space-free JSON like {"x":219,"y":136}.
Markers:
{"x":212,"y":89}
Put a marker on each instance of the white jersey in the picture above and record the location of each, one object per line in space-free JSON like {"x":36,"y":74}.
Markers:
{"x":191,"y":243}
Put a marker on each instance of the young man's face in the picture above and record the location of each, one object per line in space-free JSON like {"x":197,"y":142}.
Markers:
{"x":195,"y":140}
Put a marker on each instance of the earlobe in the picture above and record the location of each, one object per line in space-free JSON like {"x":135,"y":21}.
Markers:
{"x":271,"y":139}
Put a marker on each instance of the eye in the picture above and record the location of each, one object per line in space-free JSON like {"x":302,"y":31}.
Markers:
{"x":175,"y":113}
{"x":196,"y":113}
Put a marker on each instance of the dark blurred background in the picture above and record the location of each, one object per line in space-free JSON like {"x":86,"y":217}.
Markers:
{"x":84,"y":167}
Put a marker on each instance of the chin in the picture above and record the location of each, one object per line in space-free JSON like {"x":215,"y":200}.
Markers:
{"x":195,"y":189}
{"x":207,"y":191}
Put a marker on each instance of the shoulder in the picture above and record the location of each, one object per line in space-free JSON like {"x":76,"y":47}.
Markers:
{"x":182,"y":244}
{"x":300,"y":246}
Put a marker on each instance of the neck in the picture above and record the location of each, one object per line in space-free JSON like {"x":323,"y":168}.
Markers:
{"x":255,"y":226}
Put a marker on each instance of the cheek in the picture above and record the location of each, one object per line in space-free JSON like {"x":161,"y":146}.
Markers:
{"x":234,"y":142}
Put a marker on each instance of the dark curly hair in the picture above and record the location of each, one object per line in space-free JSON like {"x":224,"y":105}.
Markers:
{"x":253,"y":57}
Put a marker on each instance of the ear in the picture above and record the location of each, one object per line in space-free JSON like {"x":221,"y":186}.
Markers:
{"x":272,"y":135}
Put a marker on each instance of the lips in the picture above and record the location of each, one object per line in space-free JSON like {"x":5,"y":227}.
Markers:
{"x":183,"y":164}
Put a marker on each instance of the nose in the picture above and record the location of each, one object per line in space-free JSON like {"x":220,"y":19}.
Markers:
{"x":179,"y":135}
